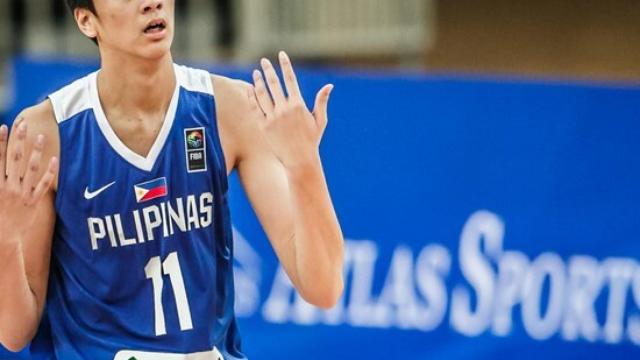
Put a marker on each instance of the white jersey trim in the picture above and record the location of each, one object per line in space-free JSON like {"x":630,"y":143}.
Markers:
{"x":71,"y":100}
{"x":82,"y":95}
{"x":143,"y":355}
{"x":137,"y":160}
{"x":195,"y":80}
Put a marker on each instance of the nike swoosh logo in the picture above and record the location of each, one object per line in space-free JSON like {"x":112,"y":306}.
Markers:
{"x":90,"y":195}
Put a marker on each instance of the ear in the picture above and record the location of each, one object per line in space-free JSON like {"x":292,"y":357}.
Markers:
{"x":86,"y":21}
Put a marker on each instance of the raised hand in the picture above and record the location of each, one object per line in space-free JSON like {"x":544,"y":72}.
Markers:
{"x":293,"y":132}
{"x":21,"y":185}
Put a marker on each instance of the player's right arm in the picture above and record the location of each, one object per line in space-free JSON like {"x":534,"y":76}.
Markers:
{"x":28,"y":176}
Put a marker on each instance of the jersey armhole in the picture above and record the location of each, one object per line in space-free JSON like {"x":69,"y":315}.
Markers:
{"x":57,"y":112}
{"x":220,"y":156}
{"x":68,"y":102}
{"x":61,"y":158}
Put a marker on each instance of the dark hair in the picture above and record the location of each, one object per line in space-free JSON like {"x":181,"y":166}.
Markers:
{"x":85,"y":4}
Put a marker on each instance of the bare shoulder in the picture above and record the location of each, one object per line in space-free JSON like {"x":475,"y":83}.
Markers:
{"x":232,"y":95}
{"x":234,"y":86}
{"x":40,"y":120}
{"x":237,"y":115}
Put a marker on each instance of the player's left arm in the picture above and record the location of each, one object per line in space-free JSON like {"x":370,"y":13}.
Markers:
{"x":280,"y":168}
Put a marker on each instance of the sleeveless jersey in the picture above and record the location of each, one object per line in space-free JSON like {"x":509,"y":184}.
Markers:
{"x":141,"y":264}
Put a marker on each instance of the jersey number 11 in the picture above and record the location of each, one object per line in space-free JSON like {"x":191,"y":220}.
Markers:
{"x":171,"y":267}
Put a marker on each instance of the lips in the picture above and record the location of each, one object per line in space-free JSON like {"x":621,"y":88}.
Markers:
{"x":155,"y":26}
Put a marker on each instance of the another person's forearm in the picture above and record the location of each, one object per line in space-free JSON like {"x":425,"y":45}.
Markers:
{"x":18,"y":304}
{"x":318,"y":240}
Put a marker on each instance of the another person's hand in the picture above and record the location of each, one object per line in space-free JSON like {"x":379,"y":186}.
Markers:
{"x":22,"y":186}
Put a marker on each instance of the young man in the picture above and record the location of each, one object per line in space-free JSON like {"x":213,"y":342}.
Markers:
{"x":135,"y":224}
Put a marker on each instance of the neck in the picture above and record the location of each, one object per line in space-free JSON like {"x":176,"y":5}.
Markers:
{"x":136,"y":87}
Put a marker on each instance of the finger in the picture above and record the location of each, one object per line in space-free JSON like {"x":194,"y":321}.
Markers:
{"x":4,"y":135}
{"x":14,"y":130}
{"x":45,"y":182}
{"x":33,"y":168}
{"x":262,"y":94}
{"x":322,"y":103}
{"x":290,"y":78}
{"x":274,"y":82}
{"x":15,"y":158}
{"x":254,"y":107}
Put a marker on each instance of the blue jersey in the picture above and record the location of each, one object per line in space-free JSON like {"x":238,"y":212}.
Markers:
{"x":142,"y":253}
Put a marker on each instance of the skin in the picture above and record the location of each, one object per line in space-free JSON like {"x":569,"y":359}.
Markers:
{"x":271,"y":140}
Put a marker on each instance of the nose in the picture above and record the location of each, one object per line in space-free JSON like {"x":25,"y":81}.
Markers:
{"x":151,"y":5}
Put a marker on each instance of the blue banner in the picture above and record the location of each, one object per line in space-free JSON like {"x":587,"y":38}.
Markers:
{"x":484,"y":219}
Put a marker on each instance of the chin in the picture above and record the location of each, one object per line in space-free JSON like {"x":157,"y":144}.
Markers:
{"x":155,"y":54}
{"x":155,"y":51}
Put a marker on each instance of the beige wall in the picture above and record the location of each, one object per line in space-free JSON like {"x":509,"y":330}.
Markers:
{"x":574,"y":38}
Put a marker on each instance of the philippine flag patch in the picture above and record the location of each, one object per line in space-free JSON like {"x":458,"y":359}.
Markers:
{"x":151,"y":190}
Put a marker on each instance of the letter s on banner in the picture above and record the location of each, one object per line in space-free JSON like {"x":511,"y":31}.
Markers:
{"x":487,"y":226}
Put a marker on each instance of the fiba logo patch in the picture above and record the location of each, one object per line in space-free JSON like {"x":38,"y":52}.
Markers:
{"x":195,"y":146}
{"x":194,"y":140}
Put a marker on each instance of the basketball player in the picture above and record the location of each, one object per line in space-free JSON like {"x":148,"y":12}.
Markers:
{"x":135,"y":226}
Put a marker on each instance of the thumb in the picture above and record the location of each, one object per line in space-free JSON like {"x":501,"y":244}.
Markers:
{"x":320,"y":108}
